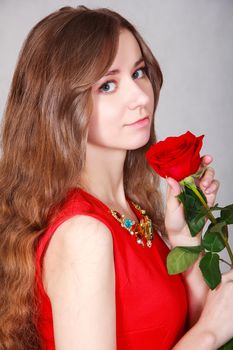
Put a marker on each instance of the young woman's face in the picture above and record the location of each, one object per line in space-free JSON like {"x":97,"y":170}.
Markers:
{"x":121,"y":98}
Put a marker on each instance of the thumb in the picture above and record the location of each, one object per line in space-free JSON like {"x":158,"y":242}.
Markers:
{"x":173,"y":190}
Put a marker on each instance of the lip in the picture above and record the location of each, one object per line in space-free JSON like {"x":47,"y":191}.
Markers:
{"x":140,"y":122}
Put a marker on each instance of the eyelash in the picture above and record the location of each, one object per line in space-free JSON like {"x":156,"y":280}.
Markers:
{"x":143,"y":69}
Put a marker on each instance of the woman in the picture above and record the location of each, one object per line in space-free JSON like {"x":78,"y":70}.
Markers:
{"x":79,"y":119}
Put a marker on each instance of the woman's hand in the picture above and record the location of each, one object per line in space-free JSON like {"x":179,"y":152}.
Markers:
{"x":176,"y":226}
{"x":214,"y":327}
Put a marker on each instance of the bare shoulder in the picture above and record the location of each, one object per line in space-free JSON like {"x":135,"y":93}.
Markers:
{"x":82,"y":228}
{"x":79,"y":278}
{"x":80,"y":240}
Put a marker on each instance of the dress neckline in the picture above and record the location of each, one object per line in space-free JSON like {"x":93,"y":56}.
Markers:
{"x":142,"y":230}
{"x":108,"y":209}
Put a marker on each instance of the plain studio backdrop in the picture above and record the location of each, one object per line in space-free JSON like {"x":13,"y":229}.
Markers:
{"x":193,"y":42}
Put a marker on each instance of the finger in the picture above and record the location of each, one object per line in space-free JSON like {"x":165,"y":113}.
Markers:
{"x":174,"y":186}
{"x":173,"y":190}
{"x":213,"y":188}
{"x":207,"y":178}
{"x":206,"y":159}
{"x":211,"y":193}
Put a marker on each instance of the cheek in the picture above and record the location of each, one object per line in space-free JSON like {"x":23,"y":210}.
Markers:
{"x":104,"y":124}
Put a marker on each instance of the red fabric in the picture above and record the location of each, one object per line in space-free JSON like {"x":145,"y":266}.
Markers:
{"x":151,"y":306}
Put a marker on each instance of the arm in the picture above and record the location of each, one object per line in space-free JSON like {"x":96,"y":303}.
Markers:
{"x":214,"y":327}
{"x":79,"y":277}
{"x":196,"y":287}
{"x":196,"y":338}
{"x":197,"y":290}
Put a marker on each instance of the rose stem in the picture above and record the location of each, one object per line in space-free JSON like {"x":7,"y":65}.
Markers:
{"x":226,"y":262}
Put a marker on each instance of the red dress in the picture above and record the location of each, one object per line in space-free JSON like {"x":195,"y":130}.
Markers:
{"x":151,"y":306}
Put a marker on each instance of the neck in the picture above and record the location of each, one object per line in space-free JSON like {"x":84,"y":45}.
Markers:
{"x":103,"y":174}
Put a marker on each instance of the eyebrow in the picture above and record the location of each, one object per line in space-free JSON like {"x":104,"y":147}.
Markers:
{"x":116,"y":71}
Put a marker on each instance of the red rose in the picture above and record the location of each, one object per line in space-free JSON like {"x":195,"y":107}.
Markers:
{"x":176,"y":157}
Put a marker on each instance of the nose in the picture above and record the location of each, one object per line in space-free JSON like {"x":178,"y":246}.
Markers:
{"x":136,"y":95}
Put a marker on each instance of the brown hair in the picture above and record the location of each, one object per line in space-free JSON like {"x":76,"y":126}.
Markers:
{"x":43,"y":147}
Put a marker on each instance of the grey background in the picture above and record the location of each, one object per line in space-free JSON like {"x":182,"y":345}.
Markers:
{"x":193,"y":42}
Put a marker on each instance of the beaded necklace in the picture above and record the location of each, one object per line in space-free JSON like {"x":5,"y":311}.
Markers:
{"x":143,"y":231}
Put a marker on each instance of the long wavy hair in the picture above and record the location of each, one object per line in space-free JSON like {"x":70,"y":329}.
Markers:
{"x":43,"y":143}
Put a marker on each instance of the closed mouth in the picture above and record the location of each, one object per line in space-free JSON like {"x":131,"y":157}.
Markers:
{"x":139,"y":120}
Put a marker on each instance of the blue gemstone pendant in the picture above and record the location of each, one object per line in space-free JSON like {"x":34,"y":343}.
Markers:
{"x":143,"y":230}
{"x":128,"y":223}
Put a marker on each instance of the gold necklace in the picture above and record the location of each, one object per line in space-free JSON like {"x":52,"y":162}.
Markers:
{"x":143,"y":231}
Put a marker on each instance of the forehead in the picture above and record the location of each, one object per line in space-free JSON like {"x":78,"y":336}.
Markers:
{"x":128,"y":49}
{"x":128,"y":55}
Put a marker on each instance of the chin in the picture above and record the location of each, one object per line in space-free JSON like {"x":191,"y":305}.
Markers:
{"x":138,"y":143}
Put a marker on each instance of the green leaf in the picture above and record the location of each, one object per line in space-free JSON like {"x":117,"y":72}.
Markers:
{"x":213,"y":242}
{"x":202,"y":194}
{"x":227,"y":214}
{"x":187,"y":200}
{"x":217,"y":227}
{"x":209,"y":266}
{"x":189,"y":191}
{"x":181,"y":258}
{"x":220,"y":227}
{"x":196,"y":225}
{"x":202,"y":212}
{"x":194,"y":210}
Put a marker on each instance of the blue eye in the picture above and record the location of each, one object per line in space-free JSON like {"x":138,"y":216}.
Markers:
{"x":105,"y":87}
{"x":143,"y":72}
